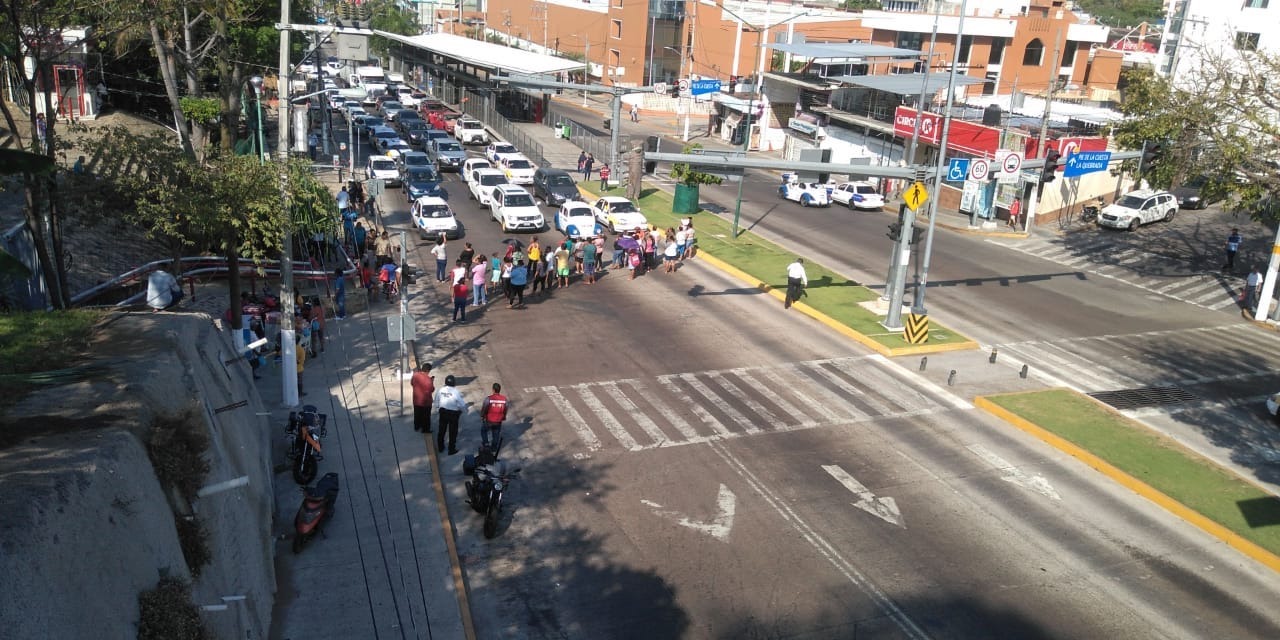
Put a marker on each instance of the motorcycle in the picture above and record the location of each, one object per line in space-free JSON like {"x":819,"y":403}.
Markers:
{"x":486,"y":456}
{"x":1089,"y":212}
{"x":485,"y":494}
{"x":306,"y":429}
{"x":315,"y":510}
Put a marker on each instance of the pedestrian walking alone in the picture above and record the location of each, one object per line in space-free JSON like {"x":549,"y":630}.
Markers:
{"x":604,"y":177}
{"x":450,"y":405}
{"x":1015,"y":211}
{"x":492,"y":413}
{"x":424,"y":388}
{"x":635,"y":113}
{"x":1251,"y":284}
{"x":1233,"y":246}
{"x":797,"y":280}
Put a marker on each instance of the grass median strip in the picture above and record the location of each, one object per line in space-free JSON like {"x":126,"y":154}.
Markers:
{"x":1154,"y":459}
{"x":830,"y":293}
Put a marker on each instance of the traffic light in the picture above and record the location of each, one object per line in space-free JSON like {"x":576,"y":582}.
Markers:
{"x":1151,"y":154}
{"x":916,"y":232}
{"x":1050,"y":165}
{"x":895,"y":231}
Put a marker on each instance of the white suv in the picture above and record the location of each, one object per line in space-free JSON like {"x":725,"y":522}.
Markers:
{"x":1137,"y":208}
{"x":514,"y":208}
{"x":482,"y":182}
{"x":470,"y":131}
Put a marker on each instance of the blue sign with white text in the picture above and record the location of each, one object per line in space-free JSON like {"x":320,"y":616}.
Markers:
{"x":1082,"y":162}
{"x":703,"y":87}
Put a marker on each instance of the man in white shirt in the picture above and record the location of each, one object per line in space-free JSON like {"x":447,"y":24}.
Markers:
{"x":163,"y":290}
{"x":451,"y":404}
{"x":797,"y":280}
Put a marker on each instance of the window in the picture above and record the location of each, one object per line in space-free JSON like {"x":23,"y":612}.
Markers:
{"x":997,"y":51}
{"x":909,"y":40}
{"x":1069,"y":53}
{"x":1034,"y":54}
{"x":615,"y":58}
{"x":1246,"y":41}
{"x":966,"y":44}
{"x":1255,"y":4}
{"x":615,"y":28}
{"x":989,"y":84}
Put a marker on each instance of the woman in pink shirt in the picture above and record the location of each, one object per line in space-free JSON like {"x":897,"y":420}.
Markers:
{"x":478,"y":279}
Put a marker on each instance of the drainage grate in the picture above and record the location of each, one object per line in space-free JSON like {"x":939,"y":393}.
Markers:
{"x":1144,"y":397}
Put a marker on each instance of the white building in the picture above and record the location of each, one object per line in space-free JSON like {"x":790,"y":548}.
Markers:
{"x":1204,"y":29}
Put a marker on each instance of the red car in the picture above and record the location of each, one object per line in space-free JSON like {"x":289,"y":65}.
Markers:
{"x":450,"y":120}
{"x":431,"y":105}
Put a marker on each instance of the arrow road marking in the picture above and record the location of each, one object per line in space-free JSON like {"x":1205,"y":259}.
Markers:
{"x":1015,"y":475}
{"x":884,"y":508}
{"x":717,"y":528}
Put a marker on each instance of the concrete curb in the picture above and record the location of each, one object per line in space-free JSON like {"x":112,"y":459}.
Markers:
{"x":830,"y":322}
{"x":455,"y":562}
{"x":1231,"y":538}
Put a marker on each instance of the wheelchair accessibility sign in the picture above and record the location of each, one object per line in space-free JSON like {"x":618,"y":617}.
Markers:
{"x":958,"y":170}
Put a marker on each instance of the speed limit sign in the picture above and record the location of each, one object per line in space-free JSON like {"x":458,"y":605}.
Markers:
{"x":683,"y":85}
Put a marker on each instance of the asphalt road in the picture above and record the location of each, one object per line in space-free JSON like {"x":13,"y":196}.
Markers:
{"x":700,"y":463}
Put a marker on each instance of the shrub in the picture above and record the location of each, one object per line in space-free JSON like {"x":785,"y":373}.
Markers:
{"x":176,"y":448}
{"x":167,"y":613}
{"x":194,"y":540}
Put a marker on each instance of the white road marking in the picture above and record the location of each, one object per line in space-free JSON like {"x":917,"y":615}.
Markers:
{"x":720,"y":403}
{"x":918,"y":380}
{"x":746,"y":398}
{"x":670,"y":416}
{"x":823,"y":547}
{"x":579,"y":425}
{"x":832,"y":400}
{"x":696,"y":408}
{"x":885,"y":508}
{"x":606,"y":417}
{"x":776,"y":398}
{"x":1015,"y":475}
{"x":840,"y":383}
{"x":656,"y":434}
{"x":719,"y":527}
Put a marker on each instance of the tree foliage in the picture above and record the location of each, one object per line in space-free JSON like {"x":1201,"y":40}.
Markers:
{"x":858,"y":5}
{"x":1221,"y":122}
{"x":1123,"y":13}
{"x":390,"y":16}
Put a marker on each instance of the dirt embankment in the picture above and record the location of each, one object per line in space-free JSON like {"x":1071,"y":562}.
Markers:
{"x":87,"y":525}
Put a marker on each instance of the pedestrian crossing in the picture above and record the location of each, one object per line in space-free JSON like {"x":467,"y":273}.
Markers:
{"x":1232,"y":354}
{"x":1105,"y":258}
{"x":637,"y":414}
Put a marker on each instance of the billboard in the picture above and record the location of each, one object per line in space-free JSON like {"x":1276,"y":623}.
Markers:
{"x":975,"y":139}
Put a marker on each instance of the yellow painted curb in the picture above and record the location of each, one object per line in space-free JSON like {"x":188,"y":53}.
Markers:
{"x":830,"y":322}
{"x":455,"y":562}
{"x":1231,"y":538}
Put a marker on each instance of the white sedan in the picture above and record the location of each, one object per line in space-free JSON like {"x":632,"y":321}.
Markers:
{"x":577,"y":220}
{"x":519,"y":169}
{"x":858,"y":195}
{"x":496,"y":151}
{"x":619,"y":214}
{"x":808,"y":194}
{"x":432,"y":216}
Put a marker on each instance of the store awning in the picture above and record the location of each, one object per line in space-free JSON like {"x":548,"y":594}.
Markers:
{"x":908,"y":84}
{"x":486,"y":54}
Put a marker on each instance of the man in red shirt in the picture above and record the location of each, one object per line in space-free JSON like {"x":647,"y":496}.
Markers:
{"x":492,"y":413}
{"x":424,"y":387}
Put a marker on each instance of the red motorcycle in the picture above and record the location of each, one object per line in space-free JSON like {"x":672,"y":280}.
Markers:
{"x":306,"y":429}
{"x":316,"y":509}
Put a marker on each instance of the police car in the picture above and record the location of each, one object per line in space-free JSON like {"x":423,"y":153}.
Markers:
{"x":808,"y":194}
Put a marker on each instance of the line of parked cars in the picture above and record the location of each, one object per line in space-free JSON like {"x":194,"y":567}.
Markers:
{"x":855,"y":195}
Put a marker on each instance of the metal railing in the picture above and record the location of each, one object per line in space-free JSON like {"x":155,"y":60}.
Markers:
{"x":582,"y":137}
{"x":481,"y":109}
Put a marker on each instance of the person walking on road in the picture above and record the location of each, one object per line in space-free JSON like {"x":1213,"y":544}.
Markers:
{"x":1015,"y":210}
{"x":797,"y":280}
{"x":604,"y":177}
{"x":586,"y":166}
{"x":582,"y":160}
{"x":442,"y":259}
{"x":492,"y":413}
{"x":1233,"y":246}
{"x":450,"y":405}
{"x":424,"y":388}
{"x":1251,"y":285}
{"x":635,"y":112}
{"x":339,"y":294}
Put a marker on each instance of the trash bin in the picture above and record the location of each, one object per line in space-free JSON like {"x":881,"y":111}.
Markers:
{"x":565,"y":131}
{"x":608,"y":122}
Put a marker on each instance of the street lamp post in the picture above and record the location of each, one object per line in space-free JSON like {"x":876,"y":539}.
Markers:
{"x":256,"y":83}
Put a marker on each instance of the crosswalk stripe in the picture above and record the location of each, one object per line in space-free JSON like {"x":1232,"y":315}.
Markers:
{"x":759,"y":409}
{"x":810,"y":404}
{"x":606,"y":417}
{"x":833,"y":400}
{"x":854,"y":389}
{"x":663,"y":408}
{"x":887,"y":384}
{"x":776,"y":396}
{"x":1214,"y":293}
{"x":720,"y":403}
{"x":1039,"y":354}
{"x":585,"y":434}
{"x":636,"y":414}
{"x":696,"y":408}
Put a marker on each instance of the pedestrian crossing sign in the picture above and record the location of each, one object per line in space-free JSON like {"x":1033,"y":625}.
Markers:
{"x":916,"y":195}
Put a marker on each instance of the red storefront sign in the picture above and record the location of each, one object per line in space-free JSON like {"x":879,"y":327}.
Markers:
{"x":974,"y":139}
{"x":1065,"y":146}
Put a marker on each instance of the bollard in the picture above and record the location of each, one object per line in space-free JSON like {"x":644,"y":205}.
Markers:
{"x":951,"y":379}
{"x":1023,"y":374}
{"x":924,"y":363}
{"x":994,"y":353}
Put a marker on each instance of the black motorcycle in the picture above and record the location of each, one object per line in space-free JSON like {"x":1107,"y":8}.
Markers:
{"x":485,"y":494}
{"x":1089,"y":212}
{"x":316,"y":509}
{"x":306,"y":429}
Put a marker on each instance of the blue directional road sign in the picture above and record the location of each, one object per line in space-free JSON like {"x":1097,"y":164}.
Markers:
{"x":703,"y":87}
{"x":1082,"y":162}
{"x":958,"y":170}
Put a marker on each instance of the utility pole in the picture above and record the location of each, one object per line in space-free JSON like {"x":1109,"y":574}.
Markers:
{"x":288,"y":350}
{"x":1044,"y":130}
{"x":688,"y":73}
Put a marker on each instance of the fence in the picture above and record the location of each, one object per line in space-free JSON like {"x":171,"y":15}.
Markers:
{"x":478,"y":106}
{"x":582,"y":136}
{"x":19,"y":293}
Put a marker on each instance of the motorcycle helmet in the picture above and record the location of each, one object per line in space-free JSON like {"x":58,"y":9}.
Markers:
{"x":449,"y":381}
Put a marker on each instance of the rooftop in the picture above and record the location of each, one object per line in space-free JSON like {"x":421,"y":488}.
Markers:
{"x":486,"y":54}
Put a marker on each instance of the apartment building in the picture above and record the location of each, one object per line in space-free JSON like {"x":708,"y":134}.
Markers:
{"x":1201,"y":30}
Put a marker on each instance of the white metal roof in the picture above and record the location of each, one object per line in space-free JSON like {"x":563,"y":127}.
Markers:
{"x":1059,"y":111}
{"x":487,"y":54}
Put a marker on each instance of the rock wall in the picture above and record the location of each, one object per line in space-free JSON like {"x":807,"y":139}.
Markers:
{"x":86,"y":525}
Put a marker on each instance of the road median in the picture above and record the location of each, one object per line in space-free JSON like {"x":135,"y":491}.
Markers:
{"x":832,"y":299}
{"x":1150,"y":464}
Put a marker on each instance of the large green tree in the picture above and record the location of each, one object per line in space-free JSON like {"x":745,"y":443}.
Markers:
{"x":1124,"y":13}
{"x":392,"y":17}
{"x":1222,"y":121}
